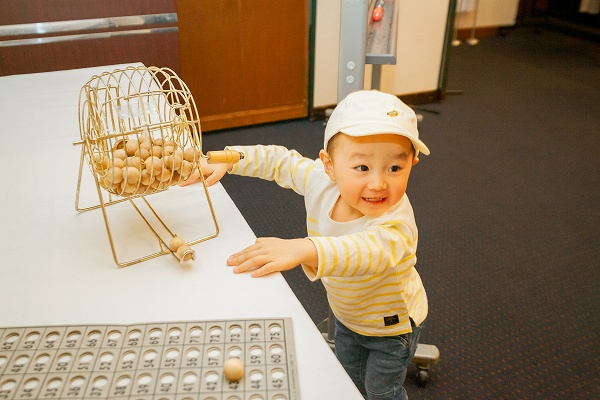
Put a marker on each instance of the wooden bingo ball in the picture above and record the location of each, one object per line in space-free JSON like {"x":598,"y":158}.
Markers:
{"x":176,"y":243}
{"x":233,"y":369}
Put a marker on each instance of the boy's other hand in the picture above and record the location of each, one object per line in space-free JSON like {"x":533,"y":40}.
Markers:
{"x":268,"y":255}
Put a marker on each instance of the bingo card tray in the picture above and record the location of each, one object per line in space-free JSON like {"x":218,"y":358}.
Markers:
{"x":170,"y":361}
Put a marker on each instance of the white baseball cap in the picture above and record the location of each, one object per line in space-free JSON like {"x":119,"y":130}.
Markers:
{"x":370,"y":112}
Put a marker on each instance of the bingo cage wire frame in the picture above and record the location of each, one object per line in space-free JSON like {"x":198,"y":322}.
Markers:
{"x":124,"y":115}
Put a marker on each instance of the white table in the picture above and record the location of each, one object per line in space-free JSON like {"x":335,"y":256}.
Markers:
{"x":56,"y":267}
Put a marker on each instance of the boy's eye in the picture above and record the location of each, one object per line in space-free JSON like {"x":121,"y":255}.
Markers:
{"x":362,"y":168}
{"x":395,"y":168}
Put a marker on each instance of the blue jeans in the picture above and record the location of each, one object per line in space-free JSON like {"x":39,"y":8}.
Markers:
{"x":376,"y":364}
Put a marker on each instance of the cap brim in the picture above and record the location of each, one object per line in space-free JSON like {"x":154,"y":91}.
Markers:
{"x":378,"y":129}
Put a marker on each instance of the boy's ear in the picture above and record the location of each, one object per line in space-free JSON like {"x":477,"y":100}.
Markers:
{"x":327,"y":163}
{"x":415,"y":160}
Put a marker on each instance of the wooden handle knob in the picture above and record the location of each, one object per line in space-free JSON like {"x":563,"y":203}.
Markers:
{"x":224,"y":157}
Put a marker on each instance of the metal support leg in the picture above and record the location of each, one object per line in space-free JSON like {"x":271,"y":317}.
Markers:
{"x":473,"y":40}
{"x":376,"y":77}
{"x":353,"y":44}
{"x":327,"y":329}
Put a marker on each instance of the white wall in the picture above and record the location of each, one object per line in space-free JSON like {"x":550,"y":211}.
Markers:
{"x":421,"y":31}
{"x":421,"y":28}
{"x":490,"y":13}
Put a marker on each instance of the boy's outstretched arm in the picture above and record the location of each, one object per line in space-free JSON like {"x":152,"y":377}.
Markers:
{"x":268,"y":255}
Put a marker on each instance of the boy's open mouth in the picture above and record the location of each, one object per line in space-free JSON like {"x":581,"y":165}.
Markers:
{"x":374,"y":199}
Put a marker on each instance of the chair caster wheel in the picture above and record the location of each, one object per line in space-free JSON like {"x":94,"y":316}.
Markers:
{"x":422,"y":377}
{"x":425,"y":356}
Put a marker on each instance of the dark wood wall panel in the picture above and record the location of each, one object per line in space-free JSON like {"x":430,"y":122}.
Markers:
{"x":28,"y":11}
{"x":159,"y":49}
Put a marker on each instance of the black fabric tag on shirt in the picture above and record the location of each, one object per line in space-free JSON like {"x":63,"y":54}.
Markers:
{"x":391,"y":320}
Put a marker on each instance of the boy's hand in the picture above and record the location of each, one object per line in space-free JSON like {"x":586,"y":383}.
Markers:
{"x":212,"y":173}
{"x":270,"y":255}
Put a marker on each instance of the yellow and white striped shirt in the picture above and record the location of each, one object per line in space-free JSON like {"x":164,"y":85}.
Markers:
{"x":366,"y":265}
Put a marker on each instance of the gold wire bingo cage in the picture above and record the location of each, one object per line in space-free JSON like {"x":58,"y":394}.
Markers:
{"x":140,"y":134}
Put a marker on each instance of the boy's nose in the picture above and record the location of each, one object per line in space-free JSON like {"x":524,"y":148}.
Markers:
{"x":377,"y":182}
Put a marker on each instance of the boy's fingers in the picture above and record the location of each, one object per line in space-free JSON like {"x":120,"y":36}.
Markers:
{"x":192,"y":178}
{"x":266,"y":269}
{"x":246,"y":266}
{"x":210,"y":180}
{"x":247,"y":261}
{"x":236,"y":259}
{"x":245,"y":254}
{"x":252,"y":258}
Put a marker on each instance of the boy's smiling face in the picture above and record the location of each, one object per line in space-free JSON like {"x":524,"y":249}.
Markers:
{"x":371,"y":173}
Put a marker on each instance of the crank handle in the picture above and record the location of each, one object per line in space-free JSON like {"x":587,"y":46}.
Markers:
{"x":224,"y":157}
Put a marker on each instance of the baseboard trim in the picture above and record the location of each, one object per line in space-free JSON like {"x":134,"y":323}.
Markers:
{"x":481,"y":32}
{"x":252,"y":117}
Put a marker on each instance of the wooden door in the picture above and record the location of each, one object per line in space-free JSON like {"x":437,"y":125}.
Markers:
{"x":245,"y":61}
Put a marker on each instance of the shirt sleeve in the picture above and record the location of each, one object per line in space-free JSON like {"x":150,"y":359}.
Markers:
{"x":288,"y":168}
{"x":367,"y":253}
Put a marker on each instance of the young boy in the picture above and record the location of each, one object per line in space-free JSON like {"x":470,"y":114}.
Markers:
{"x":362,"y":236}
